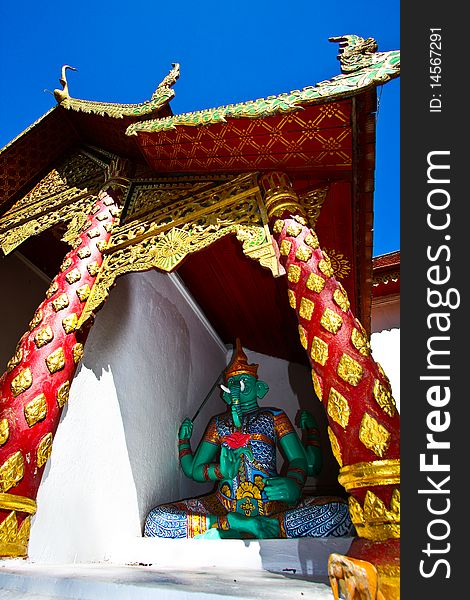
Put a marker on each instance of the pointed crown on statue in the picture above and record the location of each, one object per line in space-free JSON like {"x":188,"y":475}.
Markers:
{"x":239,"y":364}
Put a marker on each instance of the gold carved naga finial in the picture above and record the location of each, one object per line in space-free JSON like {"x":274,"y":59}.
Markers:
{"x":63,"y":94}
{"x":356,"y":52}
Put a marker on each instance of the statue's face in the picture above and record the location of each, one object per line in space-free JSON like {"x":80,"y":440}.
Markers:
{"x":245,"y":386}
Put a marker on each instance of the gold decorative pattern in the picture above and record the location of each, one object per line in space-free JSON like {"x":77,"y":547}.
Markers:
{"x":312,"y":240}
{"x":15,"y":502}
{"x":331,"y":321}
{"x":315,"y":282}
{"x":370,"y":474}
{"x":56,"y":361}
{"x":52,"y":289}
{"x":285,"y":247}
{"x":384,"y":398}
{"x":306,"y":308}
{"x":93,"y":268}
{"x":325,"y":266}
{"x":84,"y":252}
{"x":338,"y":408}
{"x":102,"y":216}
{"x":77,"y":352}
{"x":36,"y":410}
{"x":73,"y":276}
{"x":108,"y":227}
{"x":11,"y":472}
{"x":339,"y":263}
{"x":278,"y":226}
{"x":69,"y":323}
{"x":374,"y":520}
{"x":21,"y":382}
{"x":83,"y":292}
{"x":303,"y":254}
{"x":293,"y":273}
{"x":60,"y":302}
{"x":317,"y":386}
{"x":36,"y":319}
{"x":373,"y":435}
{"x":93,"y":233}
{"x":341,"y":300}
{"x":319,"y":351}
{"x":44,"y":450}
{"x":63,"y":394}
{"x":43,"y":336}
{"x":335,"y":447}
{"x":292,"y":298}
{"x":293,"y":230}
{"x":303,"y":336}
{"x":349,"y":370}
{"x":15,"y":360}
{"x":14,"y":540}
{"x":4,"y":431}
{"x":360,"y":342}
{"x":66,"y":264}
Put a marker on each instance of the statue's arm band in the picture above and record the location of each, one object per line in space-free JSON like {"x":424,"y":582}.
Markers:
{"x":185,"y":452}
{"x":298,"y":475}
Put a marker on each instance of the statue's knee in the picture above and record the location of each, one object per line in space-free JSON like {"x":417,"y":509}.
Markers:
{"x":165,"y":521}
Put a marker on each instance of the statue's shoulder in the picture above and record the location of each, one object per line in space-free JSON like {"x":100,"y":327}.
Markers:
{"x":272,"y":410}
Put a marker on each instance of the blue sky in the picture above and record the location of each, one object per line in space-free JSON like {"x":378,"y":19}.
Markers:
{"x":228,"y":52}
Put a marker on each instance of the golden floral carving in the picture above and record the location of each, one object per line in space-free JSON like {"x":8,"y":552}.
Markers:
{"x":331,"y":321}
{"x":56,"y":361}
{"x":83,"y":292}
{"x":11,"y":472}
{"x":312,"y":240}
{"x":303,"y":336}
{"x":44,"y":450}
{"x":317,"y":385}
{"x":293,"y":273}
{"x":374,"y":520}
{"x":108,"y":227}
{"x":335,"y":447}
{"x":293,"y":230}
{"x":73,"y":276}
{"x":93,"y":268}
{"x":22,"y":382}
{"x":15,"y":360}
{"x":36,"y":319}
{"x":319,"y":351}
{"x":102,"y":216}
{"x":360,"y":342}
{"x":43,"y":336}
{"x":285,"y":247}
{"x":338,"y":408}
{"x":84,"y":252}
{"x":66,"y":264}
{"x":325,"y":266}
{"x":93,"y":233}
{"x":349,"y":370}
{"x":102,"y":246}
{"x":69,"y":323}
{"x":303,"y":254}
{"x":292,"y":298}
{"x":341,"y":299}
{"x":315,"y":282}
{"x":52,"y":289}
{"x":36,"y":410}
{"x":373,"y":435}
{"x":278,"y":226}
{"x":339,"y":264}
{"x":77,"y":352}
{"x":63,"y":394}
{"x":384,"y":398}
{"x":306,"y":308}
{"x":4,"y":431}
{"x":60,"y":302}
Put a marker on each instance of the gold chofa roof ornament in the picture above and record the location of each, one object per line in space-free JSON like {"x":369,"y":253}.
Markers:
{"x":239,"y":364}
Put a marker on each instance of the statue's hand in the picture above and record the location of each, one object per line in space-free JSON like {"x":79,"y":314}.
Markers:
{"x":282,"y":488}
{"x":186,"y":430}
{"x":307,"y":420}
{"x":229,"y":463}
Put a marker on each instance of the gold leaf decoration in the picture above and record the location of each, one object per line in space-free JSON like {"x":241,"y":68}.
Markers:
{"x":303,"y":254}
{"x":60,"y":302}
{"x":303,"y":336}
{"x":73,"y":276}
{"x":77,"y":352}
{"x":339,"y":264}
{"x":325,"y":266}
{"x":101,"y":245}
{"x":293,"y":273}
{"x":93,"y":268}
{"x":44,"y":450}
{"x":293,"y":230}
{"x":360,"y":342}
{"x":341,"y":300}
{"x":349,"y":370}
{"x":83,"y":292}
{"x":331,"y":321}
{"x":66,"y":264}
{"x":285,"y":247}
{"x":9,"y":529}
{"x":43,"y":336}
{"x":315,"y":282}
{"x":56,"y":361}
{"x":84,"y":252}
{"x":171,"y":248}
{"x":338,"y":408}
{"x":312,"y":240}
{"x":335,"y":447}
{"x":102,"y":216}
{"x":306,"y":308}
{"x":21,"y":382}
{"x":317,"y":385}
{"x":11,"y":472}
{"x":35,"y":320}
{"x":36,"y":410}
{"x":373,"y":435}
{"x":15,"y":360}
{"x":93,"y":233}
{"x":292,"y":298}
{"x":278,"y":226}
{"x":63,"y":394}
{"x":52,"y":289}
{"x":384,"y":398}
{"x":69,"y":323}
{"x":319,"y":351}
{"x":4,"y":431}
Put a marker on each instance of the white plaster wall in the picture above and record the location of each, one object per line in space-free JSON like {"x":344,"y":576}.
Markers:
{"x":386,"y":351}
{"x":149,"y":361}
